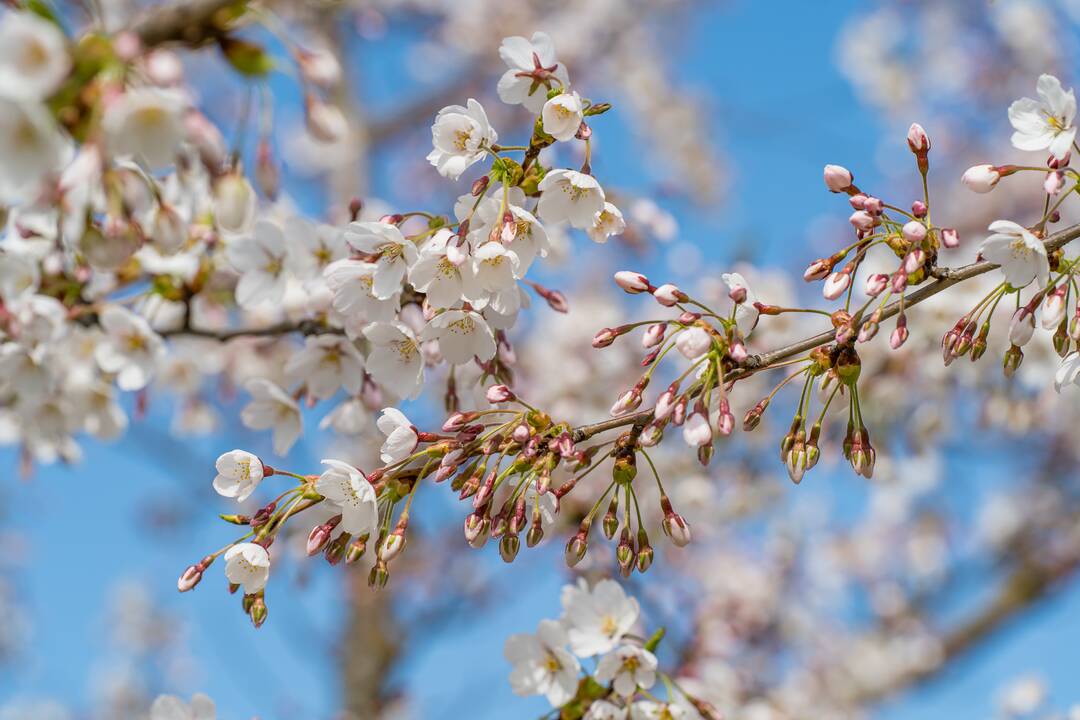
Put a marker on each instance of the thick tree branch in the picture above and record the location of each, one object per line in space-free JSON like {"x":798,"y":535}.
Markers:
{"x":945,"y":279}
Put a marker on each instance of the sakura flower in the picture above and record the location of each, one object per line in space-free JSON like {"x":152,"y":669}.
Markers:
{"x":395,"y":361}
{"x":627,"y":667}
{"x":401,"y":437}
{"x":570,"y":195}
{"x":327,"y":363}
{"x":649,"y":710}
{"x":260,"y":260}
{"x":597,"y":619}
{"x":31,"y":148}
{"x":1068,"y":373}
{"x":247,"y":565}
{"x":606,"y":223}
{"x":33,"y":56}
{"x":533,"y":70}
{"x":445,"y":282}
{"x":131,"y":348}
{"x":311,"y":247}
{"x":351,"y":283}
{"x":605,"y":710}
{"x":234,"y":202}
{"x":542,"y":666}
{"x":461,"y":136}
{"x":746,"y":312}
{"x":546,"y":505}
{"x":348,"y":489}
{"x":170,"y":707}
{"x":238,"y":474}
{"x":529,"y":240}
{"x":19,"y":276}
{"x":562,"y":116}
{"x":981,"y":178}
{"x":1046,"y":123}
{"x":462,"y":335}
{"x":147,"y":124}
{"x":696,"y":431}
{"x":272,"y":408}
{"x":1020,"y":254}
{"x":395,"y":254}
{"x":496,"y":267}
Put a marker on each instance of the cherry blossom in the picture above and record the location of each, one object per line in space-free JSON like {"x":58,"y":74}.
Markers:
{"x":542,"y":665}
{"x":627,"y":668}
{"x":401,"y":437}
{"x":33,"y":56}
{"x":607,"y":222}
{"x":146,"y":123}
{"x":326,"y":364}
{"x":271,"y":408}
{"x":395,"y":360}
{"x":395,"y":255}
{"x":1021,"y":256}
{"x":349,"y":491}
{"x":597,"y":618}
{"x":533,"y":71}
{"x":260,"y":259}
{"x":131,"y":348}
{"x":239,"y":473}
{"x":462,"y":335}
{"x":248,"y":565}
{"x":1046,"y":123}
{"x":571,"y":196}
{"x":461,"y":136}
{"x":562,"y":116}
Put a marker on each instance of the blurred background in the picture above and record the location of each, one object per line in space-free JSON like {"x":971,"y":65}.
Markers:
{"x":945,"y":587}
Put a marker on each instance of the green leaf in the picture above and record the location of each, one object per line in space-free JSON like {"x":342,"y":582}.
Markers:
{"x":247,"y":57}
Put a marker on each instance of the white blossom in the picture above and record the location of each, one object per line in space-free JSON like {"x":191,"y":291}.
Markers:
{"x":131,"y":348}
{"x":272,"y":408}
{"x":170,"y":707}
{"x":462,"y":334}
{"x":401,"y":438}
{"x":597,"y":619}
{"x":606,"y":223}
{"x":247,"y":565}
{"x":627,"y":668}
{"x":395,"y":360}
{"x":461,"y":137}
{"x":1046,"y":123}
{"x":524,"y":57}
{"x":31,"y":148}
{"x":349,"y":490}
{"x":572,"y":196}
{"x":327,"y":363}
{"x":33,"y":56}
{"x":395,"y":254}
{"x":238,"y":474}
{"x":1021,"y":255}
{"x":542,"y":666}
{"x":445,"y":283}
{"x":562,"y":116}
{"x":351,"y":283}
{"x":147,"y":124}
{"x":1068,"y":373}
{"x":260,"y":260}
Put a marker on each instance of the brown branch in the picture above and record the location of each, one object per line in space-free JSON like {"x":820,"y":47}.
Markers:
{"x":304,"y":327}
{"x":945,"y":279}
{"x":190,"y":22}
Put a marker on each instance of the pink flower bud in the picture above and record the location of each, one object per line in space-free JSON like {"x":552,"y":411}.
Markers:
{"x":1054,"y":182}
{"x":737,"y":351}
{"x":676,"y":528}
{"x":654,"y":335}
{"x":837,"y":178}
{"x":696,"y":431}
{"x":919,"y":209}
{"x":1053,"y":309}
{"x":326,"y":122}
{"x":1021,"y":327}
{"x":899,"y":337}
{"x":627,"y":402}
{"x":981,"y":178}
{"x":862,"y":220}
{"x":917,"y":139}
{"x":914,"y":232}
{"x":835,"y":285}
{"x":874,"y":205}
{"x":499,"y":394}
{"x":668,"y":295}
{"x":521,"y":434}
{"x":604,"y":337}
{"x":632,"y":282}
{"x":190,"y":578}
{"x":817,"y":270}
{"x":914,"y":260}
{"x":693,"y":342}
{"x":876,"y":284}
{"x":858,"y":201}
{"x":664,"y":404}
{"x":899,"y":280}
{"x":457,"y":421}
{"x":950,"y":238}
{"x":392,"y":545}
{"x":318,"y":538}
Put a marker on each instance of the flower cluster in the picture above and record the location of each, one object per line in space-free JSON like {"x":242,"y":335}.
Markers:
{"x":598,"y":622}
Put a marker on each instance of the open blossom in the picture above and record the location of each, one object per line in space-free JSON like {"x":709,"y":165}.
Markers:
{"x":272,"y":408}
{"x":351,"y":284}
{"x":461,"y":136}
{"x":401,"y":437}
{"x":542,"y":665}
{"x":395,"y":361}
{"x":462,"y":335}
{"x":395,"y":254}
{"x":260,"y":260}
{"x":31,"y":148}
{"x":650,"y":710}
{"x":562,"y":116}
{"x":1068,"y":373}
{"x":533,"y":70}
{"x":147,"y":124}
{"x":627,"y":667}
{"x":311,"y":247}
{"x":746,"y":312}
{"x":597,"y":619}
{"x":326,"y":364}
{"x":605,"y":710}
{"x":1020,"y":254}
{"x":570,"y":195}
{"x":247,"y":565}
{"x":347,"y":488}
{"x":496,"y":267}
{"x":238,"y":474}
{"x":607,"y":222}
{"x":170,"y":707}
{"x":131,"y":348}
{"x":33,"y":56}
{"x":1046,"y":123}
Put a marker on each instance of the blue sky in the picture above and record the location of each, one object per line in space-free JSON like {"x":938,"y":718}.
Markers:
{"x":781,"y":111}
